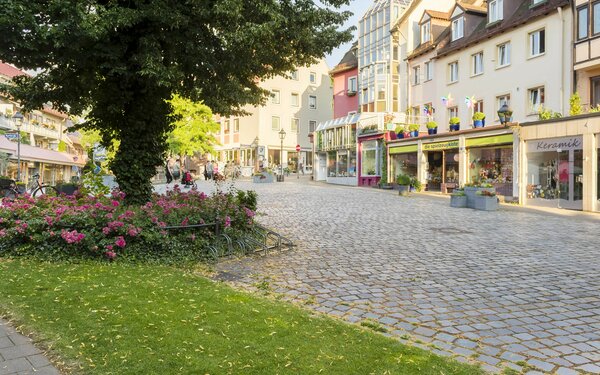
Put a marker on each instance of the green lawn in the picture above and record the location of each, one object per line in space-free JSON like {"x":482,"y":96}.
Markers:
{"x":141,"y":319}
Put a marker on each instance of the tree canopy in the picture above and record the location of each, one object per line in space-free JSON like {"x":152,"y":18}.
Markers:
{"x":121,"y":60}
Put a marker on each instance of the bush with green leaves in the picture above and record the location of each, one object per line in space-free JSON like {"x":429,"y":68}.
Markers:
{"x":454,"y":120}
{"x":403,"y":179}
{"x":478,"y":116}
{"x":432,"y":125}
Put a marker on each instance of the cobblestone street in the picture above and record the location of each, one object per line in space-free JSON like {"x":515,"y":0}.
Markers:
{"x":514,"y":288}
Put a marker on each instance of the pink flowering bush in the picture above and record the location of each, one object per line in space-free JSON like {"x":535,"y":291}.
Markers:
{"x":108,"y":228}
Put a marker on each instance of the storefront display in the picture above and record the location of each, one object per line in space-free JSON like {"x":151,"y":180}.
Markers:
{"x":341,"y":163}
{"x":493,"y":165}
{"x":555,"y":172}
{"x":404,"y":164}
{"x":443,"y":166}
{"x":370,"y":158}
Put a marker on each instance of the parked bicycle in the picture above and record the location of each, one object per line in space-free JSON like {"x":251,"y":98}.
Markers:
{"x":37,"y":188}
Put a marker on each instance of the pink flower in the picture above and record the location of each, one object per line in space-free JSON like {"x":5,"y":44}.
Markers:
{"x":133,"y":231}
{"x":72,"y":236}
{"x":49,"y":220}
{"x":114,"y":203}
{"x":227,"y":221}
{"x":111,"y":254}
{"x":106,"y":230}
{"x":249,"y":212}
{"x":185,"y":222}
{"x":120,"y":242}
{"x":109,"y":247}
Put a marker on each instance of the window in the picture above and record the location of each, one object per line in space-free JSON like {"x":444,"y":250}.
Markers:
{"x":425,"y":32}
{"x":582,"y":22}
{"x":294,"y":75}
{"x":275,"y":123}
{"x":352,"y":85}
{"x":504,"y":54}
{"x":458,"y":28}
{"x":236,"y":125}
{"x":416,"y":75}
{"x":312,"y":126}
{"x":226,"y":126}
{"x":295,"y":125}
{"x":536,"y":99}
{"x":275,"y":97}
{"x":596,"y":18}
{"x":501,"y":100}
{"x":370,"y":158}
{"x":478,"y":107}
{"x":477,"y":63}
{"x":452,"y":112}
{"x":495,"y":9}
{"x":313,"y":78}
{"x":428,"y":71}
{"x":453,"y":72}
{"x":537,"y":43}
{"x":312,"y":102}
{"x":295,"y":99}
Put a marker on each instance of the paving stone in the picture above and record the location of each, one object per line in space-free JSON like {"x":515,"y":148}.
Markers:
{"x":577,"y":359}
{"x":545,"y":366}
{"x":591,"y":368}
{"x":566,"y":371}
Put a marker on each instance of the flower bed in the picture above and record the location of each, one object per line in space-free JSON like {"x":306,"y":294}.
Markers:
{"x":105,"y":228}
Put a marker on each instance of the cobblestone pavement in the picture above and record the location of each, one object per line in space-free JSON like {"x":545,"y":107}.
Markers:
{"x":19,"y":356}
{"x":513,"y":288}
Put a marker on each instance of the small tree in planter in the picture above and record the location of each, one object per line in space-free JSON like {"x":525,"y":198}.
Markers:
{"x":454,"y":124}
{"x":414,"y":130}
{"x":478,"y":120}
{"x":432,"y":127}
{"x":403,"y":184}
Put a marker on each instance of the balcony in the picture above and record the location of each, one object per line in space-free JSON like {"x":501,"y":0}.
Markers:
{"x":36,"y":130}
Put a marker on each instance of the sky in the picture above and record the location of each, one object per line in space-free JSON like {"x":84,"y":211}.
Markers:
{"x":358,"y":7}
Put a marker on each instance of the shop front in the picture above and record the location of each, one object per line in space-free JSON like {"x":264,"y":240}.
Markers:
{"x":491,"y":161}
{"x":404,"y":160}
{"x":335,"y":151}
{"x":370,"y":161}
{"x":443,"y":172}
{"x":555,"y":172}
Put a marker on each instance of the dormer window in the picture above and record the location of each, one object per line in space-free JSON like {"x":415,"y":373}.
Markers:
{"x":425,"y":32}
{"x":495,"y":10}
{"x":458,"y":26}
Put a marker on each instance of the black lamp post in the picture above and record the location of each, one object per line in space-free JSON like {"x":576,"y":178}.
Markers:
{"x":281,"y":137}
{"x":505,"y":114}
{"x":18,"y":120}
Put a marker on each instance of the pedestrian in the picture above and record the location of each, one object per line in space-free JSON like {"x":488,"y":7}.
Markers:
{"x":176,"y":171}
{"x":169,"y":170}
{"x":300,"y":169}
{"x":209,"y":169}
{"x":215,"y":170}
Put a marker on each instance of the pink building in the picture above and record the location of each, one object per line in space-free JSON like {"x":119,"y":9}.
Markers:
{"x":345,"y":84}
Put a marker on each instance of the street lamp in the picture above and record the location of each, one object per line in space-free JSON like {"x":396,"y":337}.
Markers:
{"x":281,"y":137}
{"x":18,"y":120}
{"x":505,"y":114}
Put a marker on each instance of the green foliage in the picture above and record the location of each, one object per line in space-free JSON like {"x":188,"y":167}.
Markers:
{"x":413,"y":127}
{"x":595,"y":109}
{"x":432,"y":125}
{"x":454,"y":120}
{"x":403,"y":179}
{"x":384,"y":166}
{"x":478,"y":116}
{"x":119,"y":62}
{"x":373,"y":325}
{"x":92,"y":184}
{"x":414,"y":182}
{"x":62,"y":146}
{"x":575,"y":105}
{"x":547,"y":114}
{"x":399,"y":129}
{"x":247,"y":199}
{"x":193,"y":128}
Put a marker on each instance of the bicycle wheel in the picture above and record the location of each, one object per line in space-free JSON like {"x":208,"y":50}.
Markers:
{"x":49,"y":191}
{"x":9,"y":193}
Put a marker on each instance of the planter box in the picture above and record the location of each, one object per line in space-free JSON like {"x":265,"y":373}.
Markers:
{"x":471,"y":193}
{"x":262,"y":178}
{"x":484,"y":203}
{"x":403,"y":190}
{"x":458,"y":201}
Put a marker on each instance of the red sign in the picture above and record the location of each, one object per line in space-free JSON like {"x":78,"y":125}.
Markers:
{"x":298,"y":148}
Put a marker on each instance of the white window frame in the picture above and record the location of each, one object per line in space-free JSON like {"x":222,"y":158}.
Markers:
{"x":536,"y":98}
{"x":428,"y":71}
{"x":458,"y":28}
{"x":312,"y":125}
{"x":312,"y":102}
{"x":352,"y":85}
{"x":313,"y":78}
{"x":536,"y":44}
{"x":416,"y":79}
{"x":275,"y":120}
{"x":453,"y":72}
{"x":495,"y":10}
{"x":477,"y":62}
{"x":426,"y":32}
{"x":452,"y":112}
{"x":297,"y":96}
{"x":499,"y":48}
{"x":275,"y":97}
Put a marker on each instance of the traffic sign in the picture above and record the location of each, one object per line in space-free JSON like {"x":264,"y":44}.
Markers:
{"x":298,"y":148}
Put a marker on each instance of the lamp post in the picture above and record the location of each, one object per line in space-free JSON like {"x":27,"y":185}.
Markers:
{"x":18,"y":120}
{"x":281,"y":137}
{"x":505,"y":114}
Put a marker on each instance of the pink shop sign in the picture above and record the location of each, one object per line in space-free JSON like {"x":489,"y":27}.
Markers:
{"x":555,"y":144}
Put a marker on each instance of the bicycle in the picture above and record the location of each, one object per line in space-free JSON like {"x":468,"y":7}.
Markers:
{"x":38,"y":189}
{"x":9,"y":189}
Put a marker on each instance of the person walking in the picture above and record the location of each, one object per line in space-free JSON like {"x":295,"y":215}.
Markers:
{"x":209,"y":169}
{"x":169,"y":170}
{"x":215,"y":170}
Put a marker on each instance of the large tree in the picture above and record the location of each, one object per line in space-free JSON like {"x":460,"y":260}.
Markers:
{"x":123,"y":59}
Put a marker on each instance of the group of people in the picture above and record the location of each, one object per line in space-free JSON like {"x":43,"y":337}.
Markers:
{"x":173,"y":171}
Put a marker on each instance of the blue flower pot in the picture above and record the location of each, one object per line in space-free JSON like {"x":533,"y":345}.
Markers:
{"x":414,"y":134}
{"x":399,"y":135}
{"x":455,"y":127}
{"x":432,"y":131}
{"x":478,"y":124}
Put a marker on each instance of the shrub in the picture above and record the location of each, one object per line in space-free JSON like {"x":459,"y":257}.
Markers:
{"x":88,"y":227}
{"x":454,"y":120}
{"x":478,"y":116}
{"x":432,"y":125}
{"x":575,"y":105}
{"x":399,"y":129}
{"x":403,"y":179}
{"x":414,"y":182}
{"x":413,"y":127}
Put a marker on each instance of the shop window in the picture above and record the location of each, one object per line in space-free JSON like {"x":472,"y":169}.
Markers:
{"x":352,"y":164}
{"x":404,"y":164}
{"x":370,"y":158}
{"x":493,"y":165}
{"x":451,"y":167}
{"x":598,"y":182}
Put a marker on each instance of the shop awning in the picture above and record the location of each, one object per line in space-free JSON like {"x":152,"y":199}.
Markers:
{"x":486,"y":141}
{"x":340,"y":121}
{"x":31,"y":153}
{"x":403,"y":149}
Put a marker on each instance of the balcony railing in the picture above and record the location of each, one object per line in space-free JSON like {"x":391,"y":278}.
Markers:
{"x":28,"y":127}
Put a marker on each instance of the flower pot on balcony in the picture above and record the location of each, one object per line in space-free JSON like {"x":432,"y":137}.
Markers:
{"x":478,"y":124}
{"x":454,"y":127}
{"x":432,"y":131}
{"x":414,"y":134}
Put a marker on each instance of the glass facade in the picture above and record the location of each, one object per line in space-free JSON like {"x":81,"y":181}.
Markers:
{"x":443,"y":170}
{"x":493,"y":165}
{"x":404,"y":164}
{"x":371,"y":158}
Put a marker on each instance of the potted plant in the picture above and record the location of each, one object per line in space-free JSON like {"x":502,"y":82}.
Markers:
{"x":67,"y":188}
{"x":414,"y":130}
{"x":486,"y":201}
{"x":432,"y":127}
{"x":454,"y":124}
{"x":403,"y":184}
{"x":399,"y":131}
{"x":458,"y":199}
{"x":478,"y":120}
{"x":415,"y":185}
{"x":262,"y":177}
{"x":473,"y":189}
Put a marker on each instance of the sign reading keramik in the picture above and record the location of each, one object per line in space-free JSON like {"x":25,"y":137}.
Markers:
{"x":555,"y":144}
{"x":440,"y":145}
